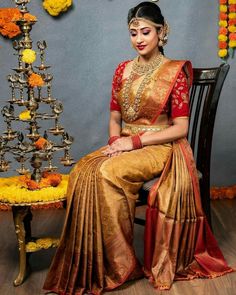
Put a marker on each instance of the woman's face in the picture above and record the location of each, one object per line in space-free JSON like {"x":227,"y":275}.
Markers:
{"x":144,"y":38}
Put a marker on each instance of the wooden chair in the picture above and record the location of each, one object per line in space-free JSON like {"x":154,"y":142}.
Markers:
{"x":204,"y":97}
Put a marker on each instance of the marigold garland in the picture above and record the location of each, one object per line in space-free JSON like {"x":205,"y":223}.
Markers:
{"x":55,"y":7}
{"x":13,"y":190}
{"x":43,"y":243}
{"x":227,"y":28}
{"x":35,"y":80}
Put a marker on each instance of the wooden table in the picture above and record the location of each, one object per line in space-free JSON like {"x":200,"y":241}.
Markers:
{"x":22,"y":217}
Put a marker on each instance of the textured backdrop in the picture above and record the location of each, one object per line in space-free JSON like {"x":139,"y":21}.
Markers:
{"x":84,"y":47}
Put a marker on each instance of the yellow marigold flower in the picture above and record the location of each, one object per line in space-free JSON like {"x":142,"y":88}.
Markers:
{"x":232,"y":15}
{"x":222,"y":53}
{"x":223,"y":23}
{"x":223,"y":8}
{"x":222,"y":37}
{"x":54,"y":8}
{"x":25,"y":115}
{"x":44,"y":243}
{"x":232,"y":1}
{"x":31,"y":247}
{"x":232,"y":43}
{"x":232,"y":29}
{"x":28,"y":56}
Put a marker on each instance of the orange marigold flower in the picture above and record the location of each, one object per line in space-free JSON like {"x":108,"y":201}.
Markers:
{"x":222,"y":44}
{"x":10,"y":30}
{"x":232,"y":36}
{"x":29,"y":17}
{"x":223,"y":1}
{"x":223,"y":16}
{"x":232,"y":8}
{"x":232,"y":22}
{"x":32,"y":184}
{"x":35,"y":80}
{"x":223,"y":31}
{"x":53,"y":179}
{"x":7,"y":27}
{"x":41,"y":143}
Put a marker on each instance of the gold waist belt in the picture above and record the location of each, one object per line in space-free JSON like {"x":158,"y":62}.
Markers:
{"x":134,"y":129}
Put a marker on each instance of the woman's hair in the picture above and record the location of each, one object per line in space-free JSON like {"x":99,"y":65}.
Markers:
{"x":149,"y":11}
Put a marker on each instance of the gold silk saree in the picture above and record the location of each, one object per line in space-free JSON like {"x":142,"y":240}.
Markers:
{"x":96,"y":251}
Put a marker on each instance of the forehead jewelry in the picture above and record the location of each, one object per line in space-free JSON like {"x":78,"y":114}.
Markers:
{"x":135,"y":22}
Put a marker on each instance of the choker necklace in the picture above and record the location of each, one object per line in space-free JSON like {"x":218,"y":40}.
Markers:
{"x":131,"y":111}
{"x":142,"y":69}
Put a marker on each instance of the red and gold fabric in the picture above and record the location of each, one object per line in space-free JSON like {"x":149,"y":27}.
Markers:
{"x":96,"y":251}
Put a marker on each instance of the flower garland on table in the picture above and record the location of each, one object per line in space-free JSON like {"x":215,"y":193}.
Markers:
{"x":55,"y":7}
{"x":21,"y":189}
{"x":227,"y":28}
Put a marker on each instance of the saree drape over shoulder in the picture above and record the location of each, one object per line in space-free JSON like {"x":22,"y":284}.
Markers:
{"x":96,"y":251}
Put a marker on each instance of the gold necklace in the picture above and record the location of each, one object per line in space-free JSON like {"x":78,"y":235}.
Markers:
{"x":131,"y":111}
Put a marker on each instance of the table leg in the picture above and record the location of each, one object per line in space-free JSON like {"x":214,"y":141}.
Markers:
{"x":22,"y":218}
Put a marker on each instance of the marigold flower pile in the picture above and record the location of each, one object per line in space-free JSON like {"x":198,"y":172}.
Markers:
{"x":55,"y":7}
{"x":8,"y":19}
{"x":7,"y":27}
{"x":227,"y":28}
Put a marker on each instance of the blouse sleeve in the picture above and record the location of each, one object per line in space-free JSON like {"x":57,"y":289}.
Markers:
{"x":116,"y":85}
{"x":180,"y":97}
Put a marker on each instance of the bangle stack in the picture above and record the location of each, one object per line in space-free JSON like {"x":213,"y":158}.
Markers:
{"x":136,"y":141}
{"x":113,"y":139}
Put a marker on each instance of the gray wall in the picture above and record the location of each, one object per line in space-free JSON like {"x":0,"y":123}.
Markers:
{"x":86,"y":44}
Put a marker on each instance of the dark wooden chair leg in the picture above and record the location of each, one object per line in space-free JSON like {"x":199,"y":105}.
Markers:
{"x":21,"y":216}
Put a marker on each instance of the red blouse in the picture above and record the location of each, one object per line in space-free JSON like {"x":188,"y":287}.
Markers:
{"x":177,"y":105}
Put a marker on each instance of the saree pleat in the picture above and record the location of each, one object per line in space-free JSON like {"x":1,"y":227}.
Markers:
{"x":95,"y":251}
{"x":183,"y":246}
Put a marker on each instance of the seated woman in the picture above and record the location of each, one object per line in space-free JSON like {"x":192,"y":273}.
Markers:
{"x":150,"y":97}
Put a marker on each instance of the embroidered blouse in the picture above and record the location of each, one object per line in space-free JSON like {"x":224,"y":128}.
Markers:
{"x":177,"y":105}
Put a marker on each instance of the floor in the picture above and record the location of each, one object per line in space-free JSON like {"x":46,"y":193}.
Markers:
{"x":49,"y":222}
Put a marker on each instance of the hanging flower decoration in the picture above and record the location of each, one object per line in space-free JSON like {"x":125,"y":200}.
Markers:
{"x":227,"y":28}
{"x":35,"y":80}
{"x":55,"y":7}
{"x":7,"y":27}
{"x":25,"y":115}
{"x":28,"y":56}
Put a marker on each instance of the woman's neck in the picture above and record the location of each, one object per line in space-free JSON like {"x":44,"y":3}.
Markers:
{"x":144,"y":59}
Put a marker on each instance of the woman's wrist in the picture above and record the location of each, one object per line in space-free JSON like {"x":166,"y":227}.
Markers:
{"x":136,"y":142}
{"x":113,"y":139}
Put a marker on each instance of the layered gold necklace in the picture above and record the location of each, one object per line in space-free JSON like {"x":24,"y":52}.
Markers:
{"x":131,"y":111}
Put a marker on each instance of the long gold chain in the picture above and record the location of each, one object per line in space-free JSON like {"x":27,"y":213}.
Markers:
{"x":131,"y":111}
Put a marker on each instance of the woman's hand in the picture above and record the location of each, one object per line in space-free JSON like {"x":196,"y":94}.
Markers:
{"x":122,"y":144}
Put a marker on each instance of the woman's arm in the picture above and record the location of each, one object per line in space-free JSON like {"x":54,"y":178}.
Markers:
{"x":115,"y":123}
{"x":176,"y":131}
